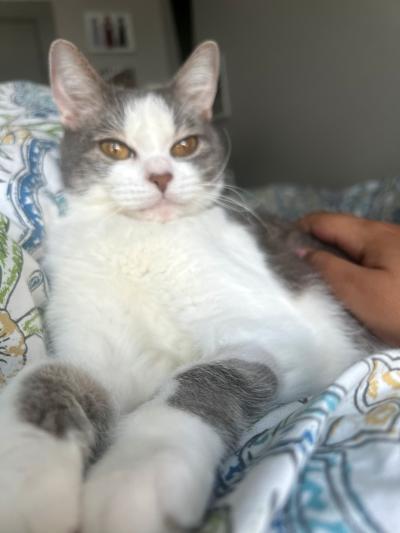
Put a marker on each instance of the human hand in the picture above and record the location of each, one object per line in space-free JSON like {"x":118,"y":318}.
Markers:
{"x":368,"y":283}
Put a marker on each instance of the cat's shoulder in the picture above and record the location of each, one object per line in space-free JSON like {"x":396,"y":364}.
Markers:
{"x":279,"y":240}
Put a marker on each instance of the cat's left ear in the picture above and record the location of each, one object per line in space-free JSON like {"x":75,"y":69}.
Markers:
{"x":196,"y":82}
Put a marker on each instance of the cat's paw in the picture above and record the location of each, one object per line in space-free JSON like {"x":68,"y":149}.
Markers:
{"x":40,"y":482}
{"x":163,"y":493}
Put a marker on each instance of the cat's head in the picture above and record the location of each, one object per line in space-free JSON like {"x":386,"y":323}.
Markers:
{"x":153,"y":154}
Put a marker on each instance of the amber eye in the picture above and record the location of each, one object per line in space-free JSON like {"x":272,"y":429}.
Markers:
{"x":185,"y":147}
{"x":115,"y":149}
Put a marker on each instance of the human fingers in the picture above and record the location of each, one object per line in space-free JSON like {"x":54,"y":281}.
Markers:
{"x":370,"y":243}
{"x":369,"y":294}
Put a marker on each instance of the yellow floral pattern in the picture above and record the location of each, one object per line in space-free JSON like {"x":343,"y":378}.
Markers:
{"x":12,"y":340}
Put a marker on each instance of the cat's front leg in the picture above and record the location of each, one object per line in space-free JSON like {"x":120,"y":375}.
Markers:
{"x":159,"y":474}
{"x":53,"y":419}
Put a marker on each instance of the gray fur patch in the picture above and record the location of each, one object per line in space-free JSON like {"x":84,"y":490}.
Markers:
{"x":280,"y":239}
{"x":230,"y":395}
{"x":61,"y":399}
{"x":210,"y":160}
{"x":80,"y":157}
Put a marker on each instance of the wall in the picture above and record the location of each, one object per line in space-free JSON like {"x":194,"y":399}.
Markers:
{"x":155,"y":57}
{"x":152,"y":56}
{"x":314,"y":87}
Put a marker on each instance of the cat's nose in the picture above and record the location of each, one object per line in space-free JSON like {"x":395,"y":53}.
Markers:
{"x":161,"y":180}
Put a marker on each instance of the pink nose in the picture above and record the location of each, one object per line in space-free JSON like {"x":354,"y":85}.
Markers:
{"x":161,"y":180}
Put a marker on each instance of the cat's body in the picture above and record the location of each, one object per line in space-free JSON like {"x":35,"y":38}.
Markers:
{"x":150,"y":298}
{"x":172,"y":328}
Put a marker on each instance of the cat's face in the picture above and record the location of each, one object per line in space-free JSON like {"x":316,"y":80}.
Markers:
{"x":152,"y":154}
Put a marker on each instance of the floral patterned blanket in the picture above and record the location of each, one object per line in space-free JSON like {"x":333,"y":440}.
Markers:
{"x":331,"y":464}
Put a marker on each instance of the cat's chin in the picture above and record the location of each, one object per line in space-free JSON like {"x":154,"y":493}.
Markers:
{"x":163,"y":211}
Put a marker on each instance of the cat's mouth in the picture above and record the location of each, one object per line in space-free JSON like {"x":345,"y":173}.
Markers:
{"x":163,"y":210}
{"x":166,"y":208}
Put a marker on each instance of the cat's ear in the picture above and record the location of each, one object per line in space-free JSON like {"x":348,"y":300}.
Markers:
{"x":77,"y":88}
{"x":196,"y":82}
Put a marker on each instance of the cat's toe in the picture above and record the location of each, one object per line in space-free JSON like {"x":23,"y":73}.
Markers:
{"x":166,"y":493}
{"x":39,"y":484}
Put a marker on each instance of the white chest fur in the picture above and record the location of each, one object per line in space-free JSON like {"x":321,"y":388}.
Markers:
{"x":167,"y":279}
{"x":139,"y":299}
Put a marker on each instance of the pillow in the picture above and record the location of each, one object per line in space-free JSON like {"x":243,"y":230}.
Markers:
{"x":30,"y":192}
{"x":30,"y":181}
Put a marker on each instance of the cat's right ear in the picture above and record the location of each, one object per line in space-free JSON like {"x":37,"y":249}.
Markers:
{"x":77,"y":88}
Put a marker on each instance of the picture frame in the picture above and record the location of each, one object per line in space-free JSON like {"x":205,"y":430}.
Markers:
{"x":109,"y":32}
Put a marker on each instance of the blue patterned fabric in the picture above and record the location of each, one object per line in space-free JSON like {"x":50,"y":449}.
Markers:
{"x":331,"y":464}
{"x":377,"y":200}
{"x":30,"y":193}
{"x":30,"y":182}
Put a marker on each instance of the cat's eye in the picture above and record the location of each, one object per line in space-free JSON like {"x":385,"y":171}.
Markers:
{"x":185,"y":146}
{"x":115,"y":149}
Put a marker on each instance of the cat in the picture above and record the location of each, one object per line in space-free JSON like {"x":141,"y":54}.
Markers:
{"x":174,"y":323}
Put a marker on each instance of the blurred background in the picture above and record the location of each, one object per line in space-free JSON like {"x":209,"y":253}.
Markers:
{"x":309,"y":89}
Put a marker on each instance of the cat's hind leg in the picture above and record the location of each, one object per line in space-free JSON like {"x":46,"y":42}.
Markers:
{"x":53,"y":420}
{"x":159,"y":474}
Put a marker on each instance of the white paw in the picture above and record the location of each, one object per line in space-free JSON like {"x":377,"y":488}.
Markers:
{"x":165,"y":492}
{"x":40,"y":482}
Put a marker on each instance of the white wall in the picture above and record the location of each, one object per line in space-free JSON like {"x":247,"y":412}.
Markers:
{"x":314,"y":85}
{"x":155,"y":57}
{"x":152,"y":58}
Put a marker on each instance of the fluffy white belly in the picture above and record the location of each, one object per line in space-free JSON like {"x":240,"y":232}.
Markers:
{"x":157,"y":296}
{"x":138,"y":300}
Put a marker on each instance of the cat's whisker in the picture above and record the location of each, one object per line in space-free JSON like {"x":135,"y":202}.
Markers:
{"x":237,"y":206}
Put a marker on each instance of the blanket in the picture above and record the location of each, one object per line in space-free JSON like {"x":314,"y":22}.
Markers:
{"x":329,"y":464}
